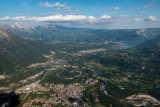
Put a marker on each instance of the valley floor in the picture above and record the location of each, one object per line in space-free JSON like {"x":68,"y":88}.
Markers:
{"x":95,"y":75}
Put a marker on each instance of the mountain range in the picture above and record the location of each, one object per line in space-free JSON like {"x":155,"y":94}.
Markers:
{"x":52,"y":33}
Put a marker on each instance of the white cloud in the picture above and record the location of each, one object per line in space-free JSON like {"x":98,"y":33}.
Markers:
{"x":84,"y":21}
{"x":69,"y":18}
{"x":55,"y":5}
{"x":81,"y":19}
{"x":91,"y":18}
{"x":137,"y":19}
{"x":76,"y":12}
{"x":58,"y":18}
{"x":148,"y":5}
{"x":150,"y":18}
{"x":62,"y":18}
{"x":46,"y":4}
{"x":49,"y":14}
{"x":106,"y":17}
{"x":58,"y":9}
{"x":19,"y":18}
{"x":114,"y":9}
{"x":5,"y":18}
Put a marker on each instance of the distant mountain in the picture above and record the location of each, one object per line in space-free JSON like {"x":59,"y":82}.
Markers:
{"x":16,"y":52}
{"x":52,"y":33}
{"x":18,"y":27}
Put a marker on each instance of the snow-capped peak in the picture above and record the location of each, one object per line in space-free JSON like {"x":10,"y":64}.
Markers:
{"x":18,"y":26}
{"x":21,"y":26}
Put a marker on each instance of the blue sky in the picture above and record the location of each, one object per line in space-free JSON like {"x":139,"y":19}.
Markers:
{"x":107,"y":14}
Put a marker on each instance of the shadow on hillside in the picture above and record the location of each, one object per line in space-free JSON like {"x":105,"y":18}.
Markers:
{"x":9,"y":99}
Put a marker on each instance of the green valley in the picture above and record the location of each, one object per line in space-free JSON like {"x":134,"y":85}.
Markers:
{"x":83,"y":74}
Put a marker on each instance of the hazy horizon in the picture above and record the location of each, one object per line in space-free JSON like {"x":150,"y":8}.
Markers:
{"x":104,"y":14}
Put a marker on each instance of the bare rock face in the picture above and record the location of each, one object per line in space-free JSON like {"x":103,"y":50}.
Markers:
{"x":142,"y":100}
{"x":4,"y":34}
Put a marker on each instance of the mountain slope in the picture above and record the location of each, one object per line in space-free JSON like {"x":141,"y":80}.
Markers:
{"x":151,"y":44}
{"x":17,"y":52}
{"x":51,"y":33}
{"x":148,"y":49}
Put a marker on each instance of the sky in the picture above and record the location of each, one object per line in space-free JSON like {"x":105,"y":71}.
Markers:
{"x":98,"y":14}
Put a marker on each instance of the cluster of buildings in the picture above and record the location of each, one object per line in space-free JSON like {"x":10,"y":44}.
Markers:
{"x":31,"y":88}
{"x":57,"y":94}
{"x":90,"y":51}
{"x":62,"y":93}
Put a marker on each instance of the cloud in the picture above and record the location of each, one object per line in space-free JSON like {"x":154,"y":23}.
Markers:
{"x":56,"y":18}
{"x":74,"y":19}
{"x":62,"y":18}
{"x":19,"y":18}
{"x":122,"y":16}
{"x":148,"y":5}
{"x":104,"y":21}
{"x":55,"y":5}
{"x":70,"y":18}
{"x":109,"y":10}
{"x":106,"y":17}
{"x":58,"y":9}
{"x":49,"y":14}
{"x":150,"y":18}
{"x":151,"y":4}
{"x":137,"y":19}
{"x":46,"y":4}
{"x":76,"y":12}
{"x":82,"y":20}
